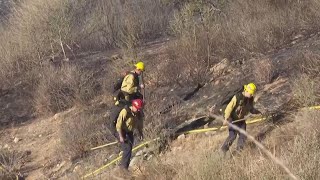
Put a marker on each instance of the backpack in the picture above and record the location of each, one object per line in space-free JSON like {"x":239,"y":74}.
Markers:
{"x":227,"y":98}
{"x":118,"y":83}
{"x":114,"y":114}
{"x":118,"y":95}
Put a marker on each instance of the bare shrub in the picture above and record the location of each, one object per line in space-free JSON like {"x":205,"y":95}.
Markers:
{"x":56,"y":90}
{"x":308,"y":62}
{"x":239,"y":28}
{"x":170,"y":73}
{"x":125,"y":24}
{"x":263,"y":70}
{"x":81,"y":132}
{"x":87,"y":87}
{"x":11,"y":163}
{"x":193,"y":49}
{"x":62,"y":88}
{"x":306,"y":90}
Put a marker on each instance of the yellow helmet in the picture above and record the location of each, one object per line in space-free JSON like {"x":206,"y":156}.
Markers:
{"x":250,"y":88}
{"x":140,"y":66}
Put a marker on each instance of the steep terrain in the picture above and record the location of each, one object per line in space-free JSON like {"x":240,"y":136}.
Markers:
{"x":40,"y":138}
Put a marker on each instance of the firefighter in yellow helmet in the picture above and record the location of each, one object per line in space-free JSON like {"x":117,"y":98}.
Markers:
{"x":133,"y":83}
{"x":240,"y":105}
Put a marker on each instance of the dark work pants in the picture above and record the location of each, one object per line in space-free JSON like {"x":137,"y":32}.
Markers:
{"x":232,"y":136}
{"x":126,"y":148}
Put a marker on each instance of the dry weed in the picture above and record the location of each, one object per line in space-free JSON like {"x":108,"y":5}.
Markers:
{"x":63,"y":87}
{"x":56,"y":90}
{"x":308,"y":62}
{"x":306,"y":90}
{"x":300,"y":153}
{"x":81,"y":132}
{"x":11,"y":163}
{"x":238,"y":28}
{"x":263,"y":70}
{"x":155,"y":169}
{"x":40,"y":30}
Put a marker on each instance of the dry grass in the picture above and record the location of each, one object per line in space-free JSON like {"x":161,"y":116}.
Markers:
{"x":81,"y":132}
{"x":236,"y":30}
{"x":11,"y":163}
{"x":154,"y":169}
{"x":39,"y":30}
{"x":306,"y":90}
{"x":64,"y":87}
{"x":300,"y":153}
{"x":263,"y":70}
{"x":154,"y":122}
{"x":308,"y":62}
{"x":305,"y":86}
{"x":56,"y":90}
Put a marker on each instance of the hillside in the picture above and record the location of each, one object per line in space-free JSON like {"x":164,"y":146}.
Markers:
{"x":56,"y":85}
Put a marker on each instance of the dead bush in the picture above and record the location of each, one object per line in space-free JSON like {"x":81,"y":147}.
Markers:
{"x":87,"y":88}
{"x":239,"y":28}
{"x":263,"y":70}
{"x":192,"y":51}
{"x":126,"y":24}
{"x":56,"y":90}
{"x":11,"y":163}
{"x":168,"y":74}
{"x":308,"y":62}
{"x":81,"y":132}
{"x":63,"y":87}
{"x":144,"y":21}
{"x":306,"y":90}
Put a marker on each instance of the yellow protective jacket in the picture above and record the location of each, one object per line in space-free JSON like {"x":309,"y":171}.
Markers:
{"x":128,"y":121}
{"x":130,"y":83}
{"x":239,"y":107}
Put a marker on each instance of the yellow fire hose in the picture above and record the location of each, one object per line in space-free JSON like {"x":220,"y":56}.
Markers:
{"x":148,"y":142}
{"x":118,"y":158}
{"x":102,"y":146}
{"x":252,"y":121}
{"x":221,"y":128}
